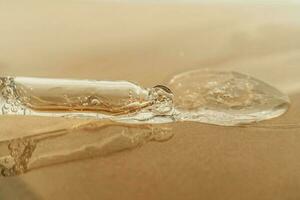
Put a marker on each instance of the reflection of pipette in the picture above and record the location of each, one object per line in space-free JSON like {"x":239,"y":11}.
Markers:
{"x":88,"y":139}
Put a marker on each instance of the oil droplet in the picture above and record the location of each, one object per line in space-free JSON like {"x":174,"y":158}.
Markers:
{"x":162,"y":98}
{"x":225,"y":98}
{"x":95,"y":101}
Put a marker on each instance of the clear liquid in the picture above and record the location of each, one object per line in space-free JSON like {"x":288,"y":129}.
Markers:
{"x":225,"y":98}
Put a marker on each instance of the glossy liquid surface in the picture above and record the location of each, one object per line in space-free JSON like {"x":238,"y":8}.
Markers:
{"x":225,"y":98}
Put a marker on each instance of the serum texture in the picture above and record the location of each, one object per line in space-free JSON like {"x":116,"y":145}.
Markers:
{"x":225,"y":98}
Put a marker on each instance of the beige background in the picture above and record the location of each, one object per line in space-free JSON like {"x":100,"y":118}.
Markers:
{"x":148,"y":43}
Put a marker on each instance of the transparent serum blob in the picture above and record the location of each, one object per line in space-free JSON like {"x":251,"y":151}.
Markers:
{"x":225,"y":98}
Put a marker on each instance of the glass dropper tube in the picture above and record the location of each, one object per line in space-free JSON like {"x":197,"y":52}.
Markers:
{"x":81,"y":98}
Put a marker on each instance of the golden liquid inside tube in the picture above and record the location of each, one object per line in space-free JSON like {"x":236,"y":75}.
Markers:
{"x":113,"y":97}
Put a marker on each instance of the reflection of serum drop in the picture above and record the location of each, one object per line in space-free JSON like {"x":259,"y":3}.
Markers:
{"x":225,"y":98}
